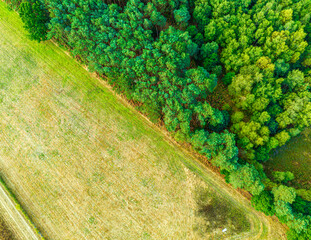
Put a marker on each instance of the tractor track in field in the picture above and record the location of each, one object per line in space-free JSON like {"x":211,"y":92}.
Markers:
{"x":14,"y":219}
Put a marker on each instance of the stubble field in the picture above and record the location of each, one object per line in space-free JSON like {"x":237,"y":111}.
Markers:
{"x":5,"y":233}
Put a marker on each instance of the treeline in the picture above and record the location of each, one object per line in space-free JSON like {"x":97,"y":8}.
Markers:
{"x":169,"y":56}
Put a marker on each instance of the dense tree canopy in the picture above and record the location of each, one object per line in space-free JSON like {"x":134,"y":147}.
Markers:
{"x":264,"y":202}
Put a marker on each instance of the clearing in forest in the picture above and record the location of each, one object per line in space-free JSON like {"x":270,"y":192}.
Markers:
{"x":85,"y":166}
{"x":295,"y":157}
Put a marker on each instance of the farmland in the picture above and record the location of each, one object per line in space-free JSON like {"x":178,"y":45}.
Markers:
{"x":5,"y":233}
{"x":85,"y":166}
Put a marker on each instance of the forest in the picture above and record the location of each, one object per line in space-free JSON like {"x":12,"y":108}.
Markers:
{"x":230,"y":77}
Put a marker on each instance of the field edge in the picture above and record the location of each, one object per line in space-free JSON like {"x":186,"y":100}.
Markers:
{"x":8,"y":195}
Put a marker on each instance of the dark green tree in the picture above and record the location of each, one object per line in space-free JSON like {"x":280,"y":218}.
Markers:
{"x":264,"y":202}
{"x":35,"y":17}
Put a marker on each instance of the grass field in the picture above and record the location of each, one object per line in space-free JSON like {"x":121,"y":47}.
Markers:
{"x":295,"y":156}
{"x":85,"y":166}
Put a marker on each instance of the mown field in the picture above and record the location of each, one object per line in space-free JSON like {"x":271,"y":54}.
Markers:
{"x":295,"y":157}
{"x":86,"y":166}
{"x":5,"y":233}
